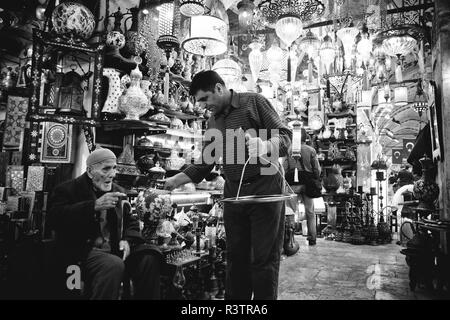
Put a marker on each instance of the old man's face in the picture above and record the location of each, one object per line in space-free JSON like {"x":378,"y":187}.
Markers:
{"x":102,"y":174}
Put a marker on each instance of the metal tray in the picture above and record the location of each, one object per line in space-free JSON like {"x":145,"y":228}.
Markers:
{"x":259,"y":198}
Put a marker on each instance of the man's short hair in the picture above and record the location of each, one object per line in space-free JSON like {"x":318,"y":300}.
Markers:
{"x":205,"y":80}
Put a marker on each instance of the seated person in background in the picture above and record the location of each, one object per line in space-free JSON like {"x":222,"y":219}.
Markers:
{"x":307,"y":162}
{"x":93,"y":227}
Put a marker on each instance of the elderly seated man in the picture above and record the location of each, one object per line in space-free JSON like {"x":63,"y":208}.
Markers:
{"x":95,"y":230}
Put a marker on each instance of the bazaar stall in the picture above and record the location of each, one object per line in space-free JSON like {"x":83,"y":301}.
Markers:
{"x":116,"y":74}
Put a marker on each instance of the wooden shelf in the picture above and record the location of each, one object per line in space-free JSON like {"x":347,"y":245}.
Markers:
{"x":134,"y":125}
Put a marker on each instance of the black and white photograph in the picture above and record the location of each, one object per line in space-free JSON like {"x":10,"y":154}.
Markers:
{"x":234,"y":157}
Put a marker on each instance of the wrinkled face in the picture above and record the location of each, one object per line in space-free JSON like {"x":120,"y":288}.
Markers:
{"x":212,"y":101}
{"x":102,"y":174}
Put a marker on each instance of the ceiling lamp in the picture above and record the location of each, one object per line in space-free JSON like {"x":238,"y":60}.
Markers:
{"x":245,"y":8}
{"x":205,"y":36}
{"x":401,"y":96}
{"x":167,"y":23}
{"x":191,"y":8}
{"x":306,"y":10}
{"x":310,"y":44}
{"x":255,"y":59}
{"x":327,"y":53}
{"x":347,"y":35}
{"x":228,"y":70}
{"x":288,"y":28}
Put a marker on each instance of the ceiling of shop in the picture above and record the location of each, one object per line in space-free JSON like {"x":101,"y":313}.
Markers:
{"x":14,"y":40}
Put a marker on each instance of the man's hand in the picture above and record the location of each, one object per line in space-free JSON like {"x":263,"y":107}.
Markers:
{"x":176,"y":181}
{"x":171,"y":183}
{"x":108,"y":200}
{"x":256,"y":146}
{"x":125,"y":247}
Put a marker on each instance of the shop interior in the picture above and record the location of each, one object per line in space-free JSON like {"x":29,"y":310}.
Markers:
{"x":364,"y":78}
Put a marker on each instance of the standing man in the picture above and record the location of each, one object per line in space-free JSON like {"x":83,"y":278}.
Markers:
{"x":254,"y":232}
{"x":94,"y":229}
{"x":308,"y":162}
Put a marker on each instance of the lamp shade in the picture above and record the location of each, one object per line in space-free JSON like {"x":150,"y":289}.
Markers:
{"x":228,"y":70}
{"x":205,"y":35}
{"x":255,"y":59}
{"x":401,"y":96}
{"x":288,"y":28}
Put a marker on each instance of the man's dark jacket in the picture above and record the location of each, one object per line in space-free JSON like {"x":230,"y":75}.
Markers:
{"x":72,"y":217}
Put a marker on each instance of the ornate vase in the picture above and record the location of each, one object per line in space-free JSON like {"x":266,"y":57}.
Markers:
{"x":74,"y":20}
{"x":134,"y":103}
{"x":426,"y":190}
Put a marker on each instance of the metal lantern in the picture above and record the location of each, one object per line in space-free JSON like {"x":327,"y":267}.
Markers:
{"x":71,"y":94}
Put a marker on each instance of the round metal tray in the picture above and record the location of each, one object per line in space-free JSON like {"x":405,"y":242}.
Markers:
{"x":259,"y":198}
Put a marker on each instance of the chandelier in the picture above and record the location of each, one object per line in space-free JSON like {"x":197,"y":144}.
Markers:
{"x":306,"y":10}
{"x":400,"y":40}
{"x":191,"y":8}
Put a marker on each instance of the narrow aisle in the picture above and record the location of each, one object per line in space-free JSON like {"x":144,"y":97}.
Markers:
{"x":342,"y":271}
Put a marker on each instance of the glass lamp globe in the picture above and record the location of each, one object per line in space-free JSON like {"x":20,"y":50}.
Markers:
{"x":327,"y":52}
{"x":288,"y":28}
{"x":347,"y":35}
{"x":255,"y":59}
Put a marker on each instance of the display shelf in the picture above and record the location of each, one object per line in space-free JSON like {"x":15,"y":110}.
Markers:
{"x":63,"y":118}
{"x":147,"y":127}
